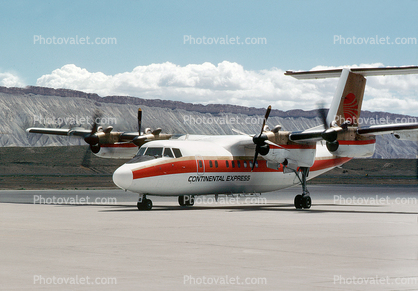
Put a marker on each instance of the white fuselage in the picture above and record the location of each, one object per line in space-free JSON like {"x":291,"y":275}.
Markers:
{"x":219,"y":165}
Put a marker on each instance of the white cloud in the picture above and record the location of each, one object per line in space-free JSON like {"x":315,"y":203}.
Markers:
{"x":230,"y":83}
{"x":10,"y":80}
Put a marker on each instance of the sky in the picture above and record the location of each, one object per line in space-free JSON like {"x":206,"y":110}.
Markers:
{"x":188,"y":50}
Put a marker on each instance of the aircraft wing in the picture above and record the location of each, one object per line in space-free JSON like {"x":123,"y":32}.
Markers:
{"x":129,"y":136}
{"x":58,"y":131}
{"x":407,"y":131}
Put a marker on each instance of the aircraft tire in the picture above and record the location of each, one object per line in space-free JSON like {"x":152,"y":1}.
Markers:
{"x":298,"y":202}
{"x":186,"y":200}
{"x":145,"y":205}
{"x":306,"y":202}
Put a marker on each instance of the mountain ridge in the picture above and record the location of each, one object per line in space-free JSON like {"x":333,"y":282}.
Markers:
{"x":21,"y":108}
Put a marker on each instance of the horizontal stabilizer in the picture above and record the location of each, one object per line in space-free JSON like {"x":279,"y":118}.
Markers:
{"x":334,"y":73}
{"x":407,"y":131}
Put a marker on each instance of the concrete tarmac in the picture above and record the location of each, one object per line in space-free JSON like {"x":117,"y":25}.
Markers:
{"x":353,"y":238}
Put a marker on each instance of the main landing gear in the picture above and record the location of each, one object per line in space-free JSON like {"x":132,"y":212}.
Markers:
{"x":303,"y":200}
{"x":144,"y":203}
{"x":186,"y":200}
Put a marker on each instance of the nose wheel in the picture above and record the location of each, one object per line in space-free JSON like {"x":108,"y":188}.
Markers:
{"x":303,"y":200}
{"x":144,"y":203}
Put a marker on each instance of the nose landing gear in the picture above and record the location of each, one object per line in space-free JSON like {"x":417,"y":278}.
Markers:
{"x":144,"y":203}
{"x":303,"y":200}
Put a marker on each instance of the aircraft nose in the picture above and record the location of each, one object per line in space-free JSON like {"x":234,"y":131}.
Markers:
{"x":123,"y":177}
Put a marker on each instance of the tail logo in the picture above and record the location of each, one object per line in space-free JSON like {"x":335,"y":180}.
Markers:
{"x":350,"y":107}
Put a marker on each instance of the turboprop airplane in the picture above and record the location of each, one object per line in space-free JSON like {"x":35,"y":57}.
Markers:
{"x":106,"y":143}
{"x":271,"y":160}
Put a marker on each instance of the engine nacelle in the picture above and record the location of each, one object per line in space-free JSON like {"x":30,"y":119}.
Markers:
{"x":355,"y":149}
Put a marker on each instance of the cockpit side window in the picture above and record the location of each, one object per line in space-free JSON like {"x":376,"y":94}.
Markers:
{"x":177,"y":153}
{"x":168,"y":153}
{"x":154,"y":152}
{"x":141,"y":151}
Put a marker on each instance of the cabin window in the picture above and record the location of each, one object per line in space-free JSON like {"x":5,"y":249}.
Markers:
{"x":245,"y":164}
{"x":239,"y":164}
{"x":154,"y":152}
{"x":210,"y":164}
{"x":256,"y":164}
{"x":168,"y":153}
{"x":141,"y":151}
{"x":227,"y":164}
{"x":251,"y":165}
{"x":177,"y":153}
{"x":216,"y":164}
{"x":200,"y":164}
{"x":233,"y":164}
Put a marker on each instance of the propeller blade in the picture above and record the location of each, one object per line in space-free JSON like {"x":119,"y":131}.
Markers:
{"x":86,"y":158}
{"x":240,"y":132}
{"x":92,"y":138}
{"x":96,"y":118}
{"x":273,"y":144}
{"x":266,"y":116}
{"x":255,"y":159}
{"x":157,"y":131}
{"x":322,"y":112}
{"x":139,"y":120}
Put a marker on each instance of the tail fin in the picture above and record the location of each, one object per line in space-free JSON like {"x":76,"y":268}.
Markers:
{"x":348,"y":98}
{"x":346,"y":104}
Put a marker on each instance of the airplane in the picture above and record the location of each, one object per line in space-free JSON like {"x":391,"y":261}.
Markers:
{"x":268,"y":161}
{"x":106,"y":143}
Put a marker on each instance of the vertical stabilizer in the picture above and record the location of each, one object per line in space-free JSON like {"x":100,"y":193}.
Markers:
{"x":348,"y":98}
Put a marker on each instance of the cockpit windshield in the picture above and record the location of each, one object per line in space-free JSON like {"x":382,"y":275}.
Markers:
{"x":158,"y":152}
{"x":154,"y":152}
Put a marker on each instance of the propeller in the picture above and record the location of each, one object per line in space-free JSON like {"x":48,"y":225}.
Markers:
{"x":93,"y":140}
{"x":261,"y":146}
{"x":330,"y":135}
{"x":143,"y":136}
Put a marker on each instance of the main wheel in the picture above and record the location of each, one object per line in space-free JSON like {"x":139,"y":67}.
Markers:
{"x":298,"y":201}
{"x":306,"y":201}
{"x":186,"y":200}
{"x":182,"y":201}
{"x":191,"y":201}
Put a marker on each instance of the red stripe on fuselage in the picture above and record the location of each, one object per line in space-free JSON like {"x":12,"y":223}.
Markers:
{"x":189,"y":166}
{"x":294,"y":146}
{"x":356,"y":142}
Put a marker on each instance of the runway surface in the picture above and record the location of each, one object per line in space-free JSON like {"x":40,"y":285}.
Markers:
{"x":353,"y":238}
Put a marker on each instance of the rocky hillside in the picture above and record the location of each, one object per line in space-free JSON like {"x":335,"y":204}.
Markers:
{"x":21,"y":108}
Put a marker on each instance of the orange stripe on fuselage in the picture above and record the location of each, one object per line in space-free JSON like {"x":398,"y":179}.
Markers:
{"x":189,"y":166}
